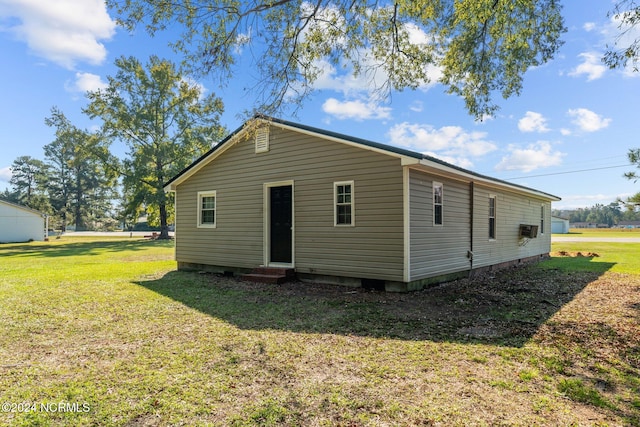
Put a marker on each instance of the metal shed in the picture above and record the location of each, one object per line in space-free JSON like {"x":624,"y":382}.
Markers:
{"x":21,"y":224}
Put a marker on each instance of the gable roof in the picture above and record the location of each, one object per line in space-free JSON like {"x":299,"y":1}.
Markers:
{"x":21,"y":207}
{"x":407,"y":157}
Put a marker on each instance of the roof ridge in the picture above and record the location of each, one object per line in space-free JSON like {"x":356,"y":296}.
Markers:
{"x":367,"y":143}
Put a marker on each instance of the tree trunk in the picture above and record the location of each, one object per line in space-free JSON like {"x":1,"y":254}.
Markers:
{"x":164,"y":227}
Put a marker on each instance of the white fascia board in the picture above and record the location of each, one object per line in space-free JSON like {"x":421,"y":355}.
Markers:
{"x":205,"y":161}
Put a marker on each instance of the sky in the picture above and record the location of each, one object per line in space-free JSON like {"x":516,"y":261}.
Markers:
{"x":567,"y":133}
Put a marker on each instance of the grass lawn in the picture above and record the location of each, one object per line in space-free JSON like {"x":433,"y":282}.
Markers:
{"x":106,"y":332}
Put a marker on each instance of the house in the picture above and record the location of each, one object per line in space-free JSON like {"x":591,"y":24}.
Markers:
{"x":559,"y":225}
{"x":21,"y":224}
{"x":588,"y":225}
{"x":629,"y":224}
{"x":345,"y":210}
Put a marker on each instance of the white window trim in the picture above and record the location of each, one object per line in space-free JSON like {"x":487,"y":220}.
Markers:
{"x":201,"y":194}
{"x":335,"y":203}
{"x":495,"y":218}
{"x":433,"y":200}
{"x":542,"y":218}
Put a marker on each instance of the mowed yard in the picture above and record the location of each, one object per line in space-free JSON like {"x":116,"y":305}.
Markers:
{"x":105,"y":332}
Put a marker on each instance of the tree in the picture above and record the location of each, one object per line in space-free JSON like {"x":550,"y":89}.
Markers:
{"x":632,"y":204}
{"x":79,"y":183}
{"x":480,"y":46}
{"x":625,"y":52}
{"x":634,"y":159}
{"x":28,"y":179}
{"x":601,"y":214}
{"x":165,"y":121}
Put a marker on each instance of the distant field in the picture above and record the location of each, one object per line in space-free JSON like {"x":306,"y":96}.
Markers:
{"x":602,"y":232}
{"x":107,"y":330}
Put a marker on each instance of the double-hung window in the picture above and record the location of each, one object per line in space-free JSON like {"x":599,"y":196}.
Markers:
{"x":492,"y":217}
{"x":542,"y":219}
{"x":437,"y":203}
{"x":206,"y":209}
{"x":344,"y":203}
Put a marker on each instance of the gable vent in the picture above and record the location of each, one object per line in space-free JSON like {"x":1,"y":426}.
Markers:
{"x":262,"y":140}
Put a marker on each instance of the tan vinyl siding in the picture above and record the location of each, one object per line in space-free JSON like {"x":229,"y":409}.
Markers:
{"x":511,"y":210}
{"x":438,"y":249}
{"x":371,"y":249}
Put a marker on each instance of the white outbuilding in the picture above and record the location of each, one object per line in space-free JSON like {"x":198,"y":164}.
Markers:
{"x":559,"y":225}
{"x":21,"y":224}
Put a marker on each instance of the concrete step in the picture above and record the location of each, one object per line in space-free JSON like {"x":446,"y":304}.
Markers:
{"x":264,"y":278}
{"x":275,"y":271}
{"x":271,"y":275}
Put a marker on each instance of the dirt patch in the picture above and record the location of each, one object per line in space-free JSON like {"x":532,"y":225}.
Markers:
{"x":504,"y":308}
{"x":572,"y":254}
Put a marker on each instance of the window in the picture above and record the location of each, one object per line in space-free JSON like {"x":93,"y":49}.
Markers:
{"x":542,"y":219}
{"x":343,"y":195}
{"x":207,"y":209}
{"x":492,"y":217}
{"x":262,"y":140}
{"x":437,"y":203}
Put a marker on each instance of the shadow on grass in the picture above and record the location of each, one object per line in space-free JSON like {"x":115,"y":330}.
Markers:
{"x":93,"y":247}
{"x":504,"y":308}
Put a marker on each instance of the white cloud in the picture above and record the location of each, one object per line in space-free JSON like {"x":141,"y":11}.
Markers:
{"x":357,"y":110}
{"x":5,"y":174}
{"x":484,"y":119}
{"x":347,"y":83}
{"x":589,"y":26}
{"x":534,"y":156}
{"x":587,"y":120}
{"x":449,"y":143}
{"x":63,"y":31}
{"x":619,"y":36}
{"x":416,"y":106}
{"x":461,"y":161}
{"x":533,"y":122}
{"x":592,"y":66}
{"x":575,"y":201}
{"x":85,"y":82}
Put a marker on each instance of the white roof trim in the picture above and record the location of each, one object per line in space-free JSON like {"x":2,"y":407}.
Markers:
{"x":24,"y":208}
{"x":470,"y":177}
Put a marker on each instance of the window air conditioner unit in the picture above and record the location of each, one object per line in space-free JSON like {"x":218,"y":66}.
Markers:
{"x":528,"y":231}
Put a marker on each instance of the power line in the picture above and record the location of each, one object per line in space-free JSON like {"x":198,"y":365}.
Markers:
{"x":567,"y":172}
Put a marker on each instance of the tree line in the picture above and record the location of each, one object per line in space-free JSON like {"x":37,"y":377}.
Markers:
{"x":610,"y":214}
{"x":164,"y":120}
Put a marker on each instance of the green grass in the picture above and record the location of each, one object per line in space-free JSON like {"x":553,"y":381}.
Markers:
{"x":110,"y":324}
{"x":611,"y":257}
{"x":602,"y":232}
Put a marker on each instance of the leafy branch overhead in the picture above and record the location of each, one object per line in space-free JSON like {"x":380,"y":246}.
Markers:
{"x":475,"y":48}
{"x":625,"y":52}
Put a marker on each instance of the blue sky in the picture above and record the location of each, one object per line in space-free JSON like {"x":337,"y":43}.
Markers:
{"x":573,"y":114}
